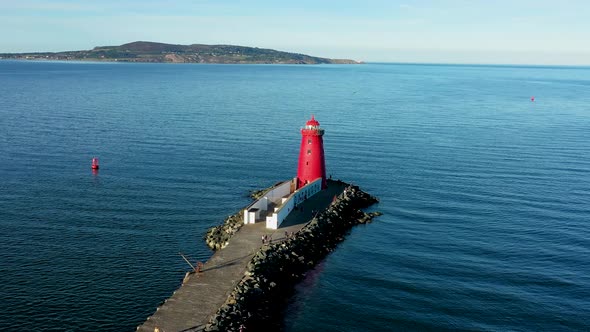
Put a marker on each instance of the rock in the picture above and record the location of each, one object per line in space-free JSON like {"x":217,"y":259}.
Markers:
{"x":217,"y":237}
{"x":211,"y":328}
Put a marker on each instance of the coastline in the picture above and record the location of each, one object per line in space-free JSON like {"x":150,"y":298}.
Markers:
{"x":178,"y":63}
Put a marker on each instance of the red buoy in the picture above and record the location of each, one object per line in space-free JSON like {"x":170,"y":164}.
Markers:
{"x":533,"y":98}
{"x":94,"y":163}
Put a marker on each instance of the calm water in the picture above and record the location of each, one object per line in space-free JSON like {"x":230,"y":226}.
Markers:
{"x":485,"y":194}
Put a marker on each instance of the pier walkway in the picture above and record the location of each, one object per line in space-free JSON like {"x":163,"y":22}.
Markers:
{"x":190,"y":307}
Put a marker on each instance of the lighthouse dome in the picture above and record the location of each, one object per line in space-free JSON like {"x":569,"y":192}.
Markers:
{"x":312,"y":123}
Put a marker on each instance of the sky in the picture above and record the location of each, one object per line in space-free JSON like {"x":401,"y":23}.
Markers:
{"x":416,"y":31}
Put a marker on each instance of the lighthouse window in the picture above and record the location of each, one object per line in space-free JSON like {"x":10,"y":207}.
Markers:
{"x":308,"y":151}
{"x":309,"y":141}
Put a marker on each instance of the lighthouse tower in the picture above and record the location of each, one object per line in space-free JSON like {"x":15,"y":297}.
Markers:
{"x":311,"y":154}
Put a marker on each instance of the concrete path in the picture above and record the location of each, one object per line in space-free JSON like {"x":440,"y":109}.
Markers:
{"x":190,"y":307}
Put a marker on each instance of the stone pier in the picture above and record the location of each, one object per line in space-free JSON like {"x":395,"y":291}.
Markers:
{"x":202,"y":294}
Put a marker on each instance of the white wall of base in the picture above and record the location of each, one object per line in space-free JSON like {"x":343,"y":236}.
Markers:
{"x":298,"y":197}
{"x":274,"y":195}
{"x":280,"y":195}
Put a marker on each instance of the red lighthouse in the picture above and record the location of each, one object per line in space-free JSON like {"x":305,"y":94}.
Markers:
{"x":311,"y":154}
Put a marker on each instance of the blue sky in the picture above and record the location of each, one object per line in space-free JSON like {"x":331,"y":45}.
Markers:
{"x":444,"y":31}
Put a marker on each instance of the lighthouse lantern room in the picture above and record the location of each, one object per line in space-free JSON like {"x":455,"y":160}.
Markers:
{"x":311,"y":155}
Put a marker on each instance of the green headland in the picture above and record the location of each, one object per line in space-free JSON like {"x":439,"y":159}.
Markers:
{"x":142,"y":51}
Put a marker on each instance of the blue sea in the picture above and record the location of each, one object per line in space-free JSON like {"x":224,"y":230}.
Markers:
{"x":485,"y":194}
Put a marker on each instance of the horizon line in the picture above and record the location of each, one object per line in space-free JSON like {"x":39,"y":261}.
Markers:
{"x":361,"y":62}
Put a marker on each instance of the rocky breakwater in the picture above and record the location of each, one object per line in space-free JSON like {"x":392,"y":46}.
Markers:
{"x":257,"y":302}
{"x":218,"y":237}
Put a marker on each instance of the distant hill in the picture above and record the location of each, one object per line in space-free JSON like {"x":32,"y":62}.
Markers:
{"x":142,"y":51}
